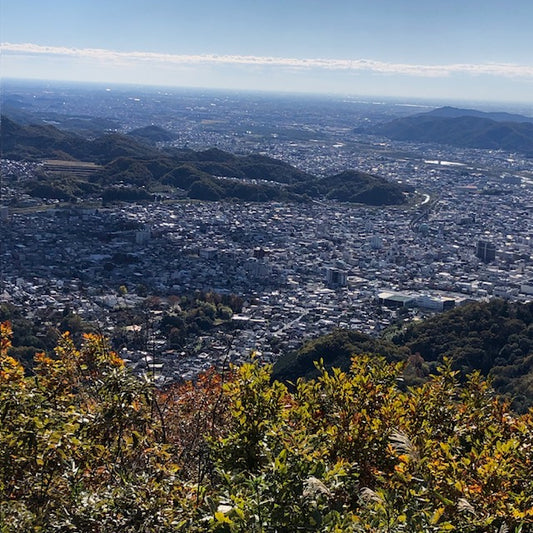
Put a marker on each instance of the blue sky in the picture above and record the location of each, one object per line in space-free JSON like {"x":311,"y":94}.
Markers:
{"x":456,"y":49}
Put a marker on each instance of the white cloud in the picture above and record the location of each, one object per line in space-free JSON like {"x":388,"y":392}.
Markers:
{"x":369,"y":65}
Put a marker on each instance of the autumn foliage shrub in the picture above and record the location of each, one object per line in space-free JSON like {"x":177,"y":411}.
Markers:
{"x":87,"y":446}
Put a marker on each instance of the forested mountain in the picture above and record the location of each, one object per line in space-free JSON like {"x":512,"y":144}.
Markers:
{"x":152,"y":134}
{"x":464,"y":128}
{"x":353,"y":186}
{"x":205,"y":175}
{"x":498,"y":116}
{"x":495,"y":338}
{"x":36,"y":142}
{"x":335,"y":350}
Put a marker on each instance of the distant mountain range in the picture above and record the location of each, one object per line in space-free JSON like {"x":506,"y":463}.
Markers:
{"x":464,"y":128}
{"x":497,"y":116}
{"x":132,"y":161}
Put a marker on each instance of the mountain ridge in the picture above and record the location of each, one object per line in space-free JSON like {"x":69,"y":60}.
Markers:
{"x":210,"y":174}
{"x":464,"y":129}
{"x":497,"y":116}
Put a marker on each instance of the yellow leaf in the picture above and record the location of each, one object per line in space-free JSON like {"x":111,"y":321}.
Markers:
{"x":436,"y":515}
{"x":222,"y":518}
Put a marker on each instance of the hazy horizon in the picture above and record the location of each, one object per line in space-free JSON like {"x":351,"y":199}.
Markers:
{"x":474,"y":51}
{"x":520,"y":107}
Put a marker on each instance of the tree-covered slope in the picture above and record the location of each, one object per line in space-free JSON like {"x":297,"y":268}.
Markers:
{"x":35,"y":142}
{"x":360,"y":187}
{"x":464,"y":130}
{"x":211,"y":174}
{"x":498,"y":116}
{"x":152,"y":134}
{"x":335,"y":350}
{"x":493,"y":337}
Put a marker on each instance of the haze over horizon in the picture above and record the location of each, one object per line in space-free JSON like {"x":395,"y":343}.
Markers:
{"x":459,"y":51}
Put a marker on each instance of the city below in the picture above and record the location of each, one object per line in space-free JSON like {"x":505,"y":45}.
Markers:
{"x":295,"y":269}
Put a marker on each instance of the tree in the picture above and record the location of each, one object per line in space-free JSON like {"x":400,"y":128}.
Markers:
{"x":82,"y":447}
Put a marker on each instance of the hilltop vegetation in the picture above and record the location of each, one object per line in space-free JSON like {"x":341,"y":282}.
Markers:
{"x":134,"y":171}
{"x":36,"y":142}
{"x":335,"y":350}
{"x":87,"y":447}
{"x":495,"y":338}
{"x":497,"y":116}
{"x":355,"y":187}
{"x":152,"y":134}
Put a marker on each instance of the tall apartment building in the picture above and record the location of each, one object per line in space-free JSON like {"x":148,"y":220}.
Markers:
{"x":486,"y":251}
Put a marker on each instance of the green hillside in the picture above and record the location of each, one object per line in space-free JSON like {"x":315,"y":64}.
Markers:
{"x":152,"y":134}
{"x":335,"y":350}
{"x":495,"y":338}
{"x":204,"y":175}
